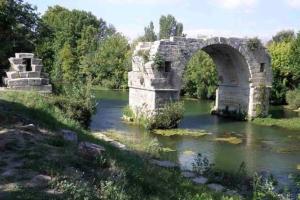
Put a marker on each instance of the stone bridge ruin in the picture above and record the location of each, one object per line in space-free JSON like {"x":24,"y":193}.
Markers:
{"x":244,"y":74}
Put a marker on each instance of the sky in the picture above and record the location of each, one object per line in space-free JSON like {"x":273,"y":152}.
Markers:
{"x":229,"y":18}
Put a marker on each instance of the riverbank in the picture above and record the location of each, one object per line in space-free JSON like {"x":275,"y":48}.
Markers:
{"x":290,"y":123}
{"x":45,"y":157}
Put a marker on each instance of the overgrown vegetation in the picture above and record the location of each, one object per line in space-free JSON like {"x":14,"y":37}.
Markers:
{"x":167,"y":117}
{"x":254,"y":43}
{"x":293,"y":99}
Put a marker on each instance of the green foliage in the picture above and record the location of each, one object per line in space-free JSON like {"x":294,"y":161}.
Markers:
{"x":77,"y":102}
{"x":69,"y":43}
{"x":254,"y":43}
{"x":145,"y":54}
{"x":168,"y":117}
{"x":284,"y":36}
{"x":18,"y":21}
{"x":284,"y":51}
{"x":264,"y":189}
{"x":112,"y":62}
{"x":159,"y":61}
{"x":149,"y":35}
{"x":200,"y":77}
{"x":169,"y":27}
{"x":293,"y":98}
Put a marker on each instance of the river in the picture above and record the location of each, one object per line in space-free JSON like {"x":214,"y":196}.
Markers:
{"x":264,"y":149}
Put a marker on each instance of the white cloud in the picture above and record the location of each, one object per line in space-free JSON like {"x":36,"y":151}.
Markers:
{"x":234,"y":4}
{"x":294,"y":3}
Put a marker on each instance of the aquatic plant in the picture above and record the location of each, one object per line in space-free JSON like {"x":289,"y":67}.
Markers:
{"x":231,"y":140}
{"x":180,"y":132}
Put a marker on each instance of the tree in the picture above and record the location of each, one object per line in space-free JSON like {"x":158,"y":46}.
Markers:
{"x":18,"y":25}
{"x":68,"y":42}
{"x":285,"y":35}
{"x":169,"y":27}
{"x":200,"y":77}
{"x":149,"y":35}
{"x":284,"y":50}
{"x":112,"y":62}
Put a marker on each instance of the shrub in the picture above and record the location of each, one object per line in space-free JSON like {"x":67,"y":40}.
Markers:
{"x":145,"y":54}
{"x":293,"y":98}
{"x":77,"y":102}
{"x":159,"y":61}
{"x":254,"y":43}
{"x":264,"y":188}
{"x":168,"y":117}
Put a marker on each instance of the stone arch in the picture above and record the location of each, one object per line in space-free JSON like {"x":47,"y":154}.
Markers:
{"x":245,"y":73}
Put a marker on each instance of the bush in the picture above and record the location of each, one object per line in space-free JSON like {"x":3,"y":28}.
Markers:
{"x":159,"y":61}
{"x":77,"y":102}
{"x":293,"y":98}
{"x":168,"y":117}
{"x":254,"y":43}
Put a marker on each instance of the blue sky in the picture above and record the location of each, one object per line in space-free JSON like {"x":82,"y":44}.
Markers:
{"x":239,"y":18}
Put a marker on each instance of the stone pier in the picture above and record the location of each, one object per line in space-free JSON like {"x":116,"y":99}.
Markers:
{"x":244,"y":74}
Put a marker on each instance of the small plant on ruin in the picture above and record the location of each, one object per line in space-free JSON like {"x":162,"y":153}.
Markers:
{"x":145,"y":54}
{"x":254,"y":43}
{"x":159,"y":61}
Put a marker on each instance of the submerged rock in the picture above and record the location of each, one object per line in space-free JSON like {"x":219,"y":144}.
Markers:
{"x":164,"y":163}
{"x":200,"y":180}
{"x":216,"y":187}
{"x":188,"y":174}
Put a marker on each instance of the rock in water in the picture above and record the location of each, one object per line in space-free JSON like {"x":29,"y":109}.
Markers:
{"x":200,"y":180}
{"x":216,"y":187}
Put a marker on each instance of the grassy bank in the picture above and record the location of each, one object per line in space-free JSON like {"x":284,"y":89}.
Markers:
{"x":116,"y":175}
{"x":291,"y":123}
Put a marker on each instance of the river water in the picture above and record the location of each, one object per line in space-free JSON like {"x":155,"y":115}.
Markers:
{"x":264,"y":149}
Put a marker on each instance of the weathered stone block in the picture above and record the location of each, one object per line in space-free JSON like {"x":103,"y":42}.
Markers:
{"x":12,"y":75}
{"x":17,"y":82}
{"x":36,"y":61}
{"x":34,"y":81}
{"x":29,"y":74}
{"x":24,"y":55}
{"x":36,"y":68}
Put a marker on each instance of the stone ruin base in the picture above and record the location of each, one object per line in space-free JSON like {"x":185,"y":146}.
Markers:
{"x":25,"y":74}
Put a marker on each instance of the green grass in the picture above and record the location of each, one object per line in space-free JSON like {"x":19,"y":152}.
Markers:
{"x":141,"y":180}
{"x":291,"y":123}
{"x":180,"y":132}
